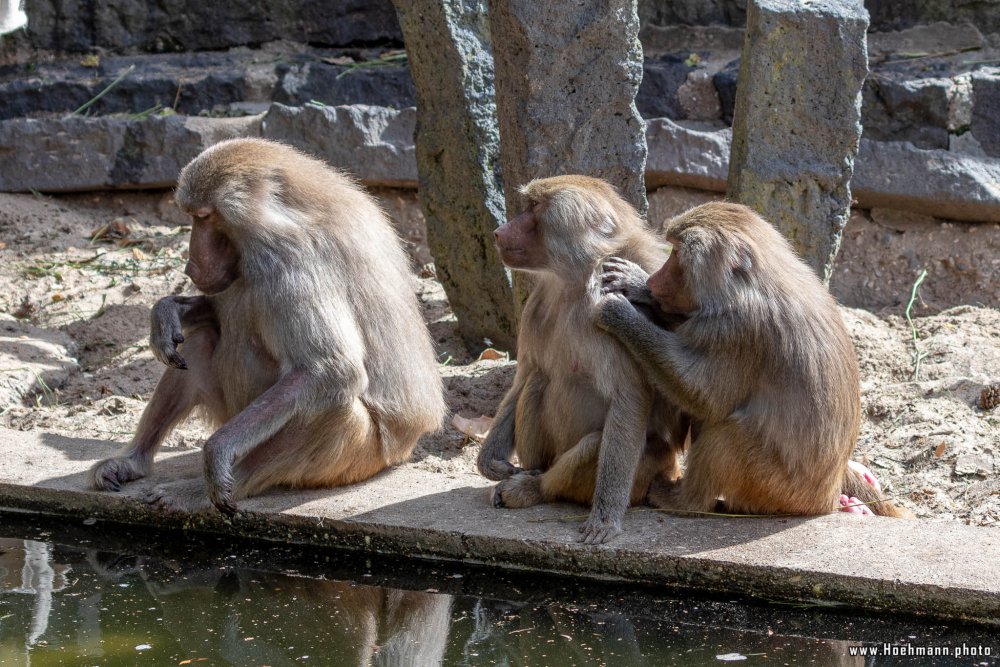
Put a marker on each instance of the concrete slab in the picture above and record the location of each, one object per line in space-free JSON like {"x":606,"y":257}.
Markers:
{"x":925,"y":567}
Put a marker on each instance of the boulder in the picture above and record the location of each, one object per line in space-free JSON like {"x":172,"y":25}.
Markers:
{"x":73,"y":154}
{"x":375,"y":144}
{"x":686,"y":157}
{"x":985,"y":125}
{"x":129,"y":26}
{"x":932,"y":182}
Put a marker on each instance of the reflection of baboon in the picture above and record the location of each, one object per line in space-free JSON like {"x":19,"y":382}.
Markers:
{"x":242,"y":615}
{"x":762,"y":360}
{"x":307,"y":346}
{"x":354,"y":624}
{"x":579,"y":409}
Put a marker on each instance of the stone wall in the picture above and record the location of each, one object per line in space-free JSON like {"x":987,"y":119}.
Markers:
{"x":931,"y":110}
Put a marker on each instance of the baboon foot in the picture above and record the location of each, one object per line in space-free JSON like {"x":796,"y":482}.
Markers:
{"x":111,"y":474}
{"x":522,"y":490}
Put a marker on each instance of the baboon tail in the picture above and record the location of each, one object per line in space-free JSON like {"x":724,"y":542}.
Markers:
{"x":856,"y":486}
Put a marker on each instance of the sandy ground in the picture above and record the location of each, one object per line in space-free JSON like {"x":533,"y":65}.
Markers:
{"x":935,"y":450}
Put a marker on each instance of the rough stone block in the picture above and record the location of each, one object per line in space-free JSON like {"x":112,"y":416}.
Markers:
{"x":385,"y":85}
{"x":986,"y":110}
{"x":685,"y":157}
{"x":661,"y":78}
{"x":192,"y":83}
{"x":566,"y":77}
{"x":796,"y":125}
{"x":374,"y":144}
{"x":726,"y":81}
{"x":72,"y":154}
{"x":939,"y":183}
{"x":900,"y":108}
{"x":458,"y":151}
{"x":190,"y":25}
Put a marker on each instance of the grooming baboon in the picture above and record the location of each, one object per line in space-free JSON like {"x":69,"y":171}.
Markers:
{"x":580,"y":415}
{"x":761,"y":361}
{"x":306,"y":347}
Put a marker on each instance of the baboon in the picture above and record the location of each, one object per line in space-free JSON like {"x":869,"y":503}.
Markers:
{"x":580,"y":414}
{"x":306,"y":347}
{"x":761,"y":361}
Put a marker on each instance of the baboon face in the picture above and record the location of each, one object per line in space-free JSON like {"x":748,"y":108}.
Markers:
{"x":519,"y":241}
{"x":213,"y":262}
{"x":669,"y":286}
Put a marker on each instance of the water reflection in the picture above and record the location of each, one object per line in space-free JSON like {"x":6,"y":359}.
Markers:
{"x":26,"y":567}
{"x":176,"y":605}
{"x":117,"y":606}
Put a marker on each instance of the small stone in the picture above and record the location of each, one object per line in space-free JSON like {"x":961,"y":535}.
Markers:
{"x":989,"y":398}
{"x":974,"y":464}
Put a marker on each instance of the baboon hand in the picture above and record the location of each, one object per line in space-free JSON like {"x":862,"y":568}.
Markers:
{"x":165,"y":333}
{"x":498,"y":469}
{"x":620,"y":276}
{"x":219,"y":478}
{"x":596,"y":530}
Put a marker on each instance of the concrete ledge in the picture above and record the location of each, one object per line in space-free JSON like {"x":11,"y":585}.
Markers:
{"x":930,"y":568}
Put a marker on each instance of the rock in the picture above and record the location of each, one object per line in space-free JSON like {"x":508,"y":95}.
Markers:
{"x":386,"y":85}
{"x":566,"y":77}
{"x":375,"y":144}
{"x":662,"y":77}
{"x":458,"y":151}
{"x":725,"y":81}
{"x":692,"y":12}
{"x":668,"y":202}
{"x":927,"y":15}
{"x":901,"y":108}
{"x":698,"y":97}
{"x":129,"y":26}
{"x":659,"y":39}
{"x":207,"y":80}
{"x":974,"y":464}
{"x":985,"y":125}
{"x":938,"y":37}
{"x":686,"y":157}
{"x":67,"y":154}
{"x":796,"y":125}
{"x":195,"y":83}
{"x":31,"y":360}
{"x":938,"y":183}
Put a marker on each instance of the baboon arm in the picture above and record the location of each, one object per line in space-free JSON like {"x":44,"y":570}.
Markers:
{"x":659,"y":352}
{"x":257,"y":422}
{"x":622,"y":442}
{"x":167,"y":321}
{"x":494,"y":455}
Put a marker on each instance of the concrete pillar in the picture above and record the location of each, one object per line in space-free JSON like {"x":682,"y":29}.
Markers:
{"x":457,"y":148}
{"x":797,"y":120}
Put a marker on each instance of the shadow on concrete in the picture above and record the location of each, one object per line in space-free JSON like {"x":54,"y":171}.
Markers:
{"x":414,"y":500}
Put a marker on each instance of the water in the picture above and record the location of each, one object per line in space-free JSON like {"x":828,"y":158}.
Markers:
{"x":103,"y":594}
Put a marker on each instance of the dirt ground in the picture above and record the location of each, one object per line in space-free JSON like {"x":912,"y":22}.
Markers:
{"x":935,"y":450}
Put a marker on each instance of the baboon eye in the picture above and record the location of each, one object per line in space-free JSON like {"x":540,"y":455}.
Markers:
{"x":203,"y":213}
